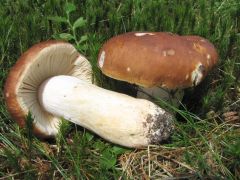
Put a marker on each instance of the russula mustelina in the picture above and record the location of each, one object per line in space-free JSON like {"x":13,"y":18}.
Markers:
{"x":40,"y":62}
{"x":157,"y":61}
{"x":53,"y":81}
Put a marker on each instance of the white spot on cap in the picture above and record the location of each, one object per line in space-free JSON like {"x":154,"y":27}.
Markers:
{"x":143,"y":34}
{"x":197,"y":74}
{"x":164,"y":53}
{"x":168,"y":52}
{"x":208,"y":56}
{"x":128,"y":69}
{"x":7,"y":95}
{"x":101,"y":59}
{"x":187,"y":76}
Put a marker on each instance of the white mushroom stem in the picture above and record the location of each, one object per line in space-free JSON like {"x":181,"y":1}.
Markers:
{"x":116,"y":117}
{"x":173,"y":97}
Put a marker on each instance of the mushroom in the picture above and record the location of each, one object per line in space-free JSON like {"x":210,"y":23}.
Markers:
{"x":160,"y":63}
{"x":40,"y":62}
{"x":53,"y":81}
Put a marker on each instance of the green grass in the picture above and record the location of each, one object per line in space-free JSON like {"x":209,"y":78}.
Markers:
{"x":204,"y":144}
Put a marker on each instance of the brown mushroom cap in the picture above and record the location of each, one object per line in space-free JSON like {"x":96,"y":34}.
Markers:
{"x":43,"y":60}
{"x":157,"y":59}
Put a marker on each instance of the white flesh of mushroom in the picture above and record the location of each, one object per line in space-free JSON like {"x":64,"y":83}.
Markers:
{"x":116,"y":117}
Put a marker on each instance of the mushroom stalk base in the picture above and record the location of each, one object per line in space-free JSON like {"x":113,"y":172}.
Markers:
{"x":116,"y":117}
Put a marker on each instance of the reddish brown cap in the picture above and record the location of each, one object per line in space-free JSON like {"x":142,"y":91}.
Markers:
{"x":43,"y":60}
{"x":157,"y":59}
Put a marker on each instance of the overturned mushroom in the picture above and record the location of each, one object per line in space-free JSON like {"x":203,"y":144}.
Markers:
{"x":158,"y":62}
{"x":53,"y":81}
{"x":42,"y":61}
